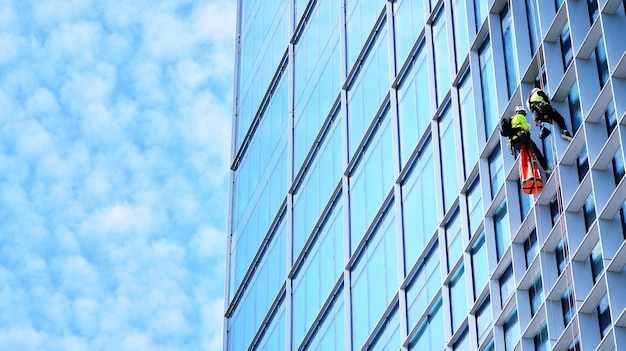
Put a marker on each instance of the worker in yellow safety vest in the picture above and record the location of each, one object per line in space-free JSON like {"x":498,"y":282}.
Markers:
{"x":517,"y":129}
{"x":539,"y":103}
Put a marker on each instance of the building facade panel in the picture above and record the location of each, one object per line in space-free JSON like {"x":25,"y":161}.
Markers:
{"x":374,"y":204}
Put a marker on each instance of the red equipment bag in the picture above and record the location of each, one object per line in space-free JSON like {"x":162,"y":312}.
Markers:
{"x":529,"y":172}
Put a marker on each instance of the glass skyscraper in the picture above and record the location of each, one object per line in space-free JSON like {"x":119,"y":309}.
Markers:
{"x":373,"y":202}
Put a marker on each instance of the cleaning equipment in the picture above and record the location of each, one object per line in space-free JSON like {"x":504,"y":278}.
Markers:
{"x":529,"y":172}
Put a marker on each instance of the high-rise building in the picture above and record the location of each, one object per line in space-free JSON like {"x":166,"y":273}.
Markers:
{"x":374,"y":203}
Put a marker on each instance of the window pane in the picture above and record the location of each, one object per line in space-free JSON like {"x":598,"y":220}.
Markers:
{"x":604,"y":316}
{"x":484,"y":320}
{"x":419,"y":214}
{"x":458,"y":298}
{"x":568,"y":305}
{"x":468,"y":123}
{"x":414,"y":105}
{"x":507,"y":285}
{"x":488,"y":88}
{"x":480,"y":268}
{"x":534,"y":30}
{"x":495,"y":171}
{"x":447,"y":151}
{"x":474,"y":205}
{"x":460,"y":30}
{"x":409,"y":23}
{"x":501,"y":227}
{"x":510,"y":54}
{"x":541,"y":339}
{"x":531,"y":248}
{"x":511,"y":331}
{"x":536,"y":295}
{"x":597,"y":265}
{"x":440,"y":48}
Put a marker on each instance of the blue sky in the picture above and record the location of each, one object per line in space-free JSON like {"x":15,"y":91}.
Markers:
{"x":114,"y":154}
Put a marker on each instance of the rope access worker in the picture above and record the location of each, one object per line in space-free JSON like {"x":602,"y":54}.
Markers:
{"x":518,"y":131}
{"x":539,"y":103}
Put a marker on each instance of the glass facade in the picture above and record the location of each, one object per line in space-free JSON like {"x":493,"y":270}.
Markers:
{"x":373,"y":203}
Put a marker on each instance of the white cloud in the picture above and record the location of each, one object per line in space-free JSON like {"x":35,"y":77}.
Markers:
{"x":114,"y":158}
{"x":209,"y":242}
{"x":10,"y":47}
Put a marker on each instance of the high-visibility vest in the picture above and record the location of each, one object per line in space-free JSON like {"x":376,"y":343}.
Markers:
{"x":535,"y":97}
{"x":519,"y":121}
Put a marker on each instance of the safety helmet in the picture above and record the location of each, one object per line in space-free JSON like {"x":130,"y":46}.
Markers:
{"x":520,"y":110}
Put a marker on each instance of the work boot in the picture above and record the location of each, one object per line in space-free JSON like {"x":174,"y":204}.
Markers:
{"x":548,"y":171}
{"x":566,"y":135}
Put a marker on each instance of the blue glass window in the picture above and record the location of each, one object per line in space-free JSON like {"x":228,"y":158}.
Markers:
{"x":531,"y":248}
{"x":261,"y":175}
{"x":501,"y":228}
{"x":582,"y":163}
{"x":265,"y":37}
{"x":496,"y":171}
{"x":388,"y":339}
{"x":371,"y":182}
{"x":463,"y":342}
{"x":481,"y":9}
{"x":589,"y":211}
{"x":525,"y":202}
{"x":423,"y":286}
{"x":611,"y":117}
{"x":374,"y":279}
{"x":534,"y":30}
{"x":317,"y":82}
{"x":555,"y":207}
{"x":541,"y":339}
{"x":604,"y":316}
{"x":409,"y":23}
{"x":431,"y":334}
{"x":597,"y":265}
{"x":511,"y":331}
{"x":474,"y":206}
{"x":484,"y":320}
{"x":419,"y":216}
{"x":454,"y":239}
{"x":566,"y":46}
{"x":368,"y":91}
{"x":507,"y":284}
{"x":568,"y":305}
{"x":468,"y":123}
{"x":461,"y":39}
{"x":261,"y":291}
{"x":440,"y":48}
{"x":362,"y":16}
{"x":601,"y":61}
{"x":480,"y":267}
{"x":318,"y":274}
{"x":592,"y":5}
{"x":562,"y":255}
{"x":274,"y":337}
{"x":488,"y":88}
{"x":510,"y":54}
{"x":414,"y":105}
{"x":618,"y":166}
{"x":330,"y":331}
{"x":458,"y":298}
{"x":447,"y":153}
{"x":535,"y":293}
{"x":321,"y":178}
{"x":574,"y":107}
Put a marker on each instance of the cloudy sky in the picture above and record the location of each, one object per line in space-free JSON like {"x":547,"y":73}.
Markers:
{"x":114,"y":152}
